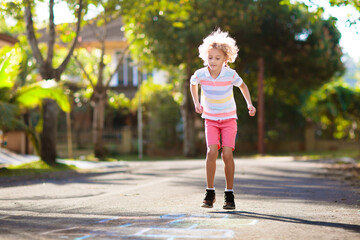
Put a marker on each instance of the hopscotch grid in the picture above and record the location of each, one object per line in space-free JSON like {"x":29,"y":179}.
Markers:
{"x":226,"y":233}
{"x":59,"y":230}
{"x":107,"y":220}
{"x":166,"y":232}
{"x":142,"y":231}
{"x":192,"y":226}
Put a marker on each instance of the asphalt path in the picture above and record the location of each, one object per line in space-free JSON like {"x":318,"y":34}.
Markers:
{"x":276,"y":198}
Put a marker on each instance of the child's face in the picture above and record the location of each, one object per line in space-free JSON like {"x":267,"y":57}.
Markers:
{"x":216,"y":59}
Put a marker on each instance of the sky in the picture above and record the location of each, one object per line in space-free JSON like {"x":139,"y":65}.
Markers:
{"x":350,"y":36}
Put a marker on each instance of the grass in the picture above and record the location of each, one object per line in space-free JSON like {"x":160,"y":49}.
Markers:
{"x":330,"y":155}
{"x":33,"y":169}
{"x":134,"y":157}
{"x":318,"y":155}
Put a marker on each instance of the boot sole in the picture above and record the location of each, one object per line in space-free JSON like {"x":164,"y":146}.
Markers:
{"x":204,"y":205}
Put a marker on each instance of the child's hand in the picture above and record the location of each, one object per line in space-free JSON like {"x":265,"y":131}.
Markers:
{"x":199,"y":108}
{"x":252,"y":110}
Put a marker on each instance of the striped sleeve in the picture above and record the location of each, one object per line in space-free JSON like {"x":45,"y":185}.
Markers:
{"x":236,"y":80}
{"x":194,"y":79}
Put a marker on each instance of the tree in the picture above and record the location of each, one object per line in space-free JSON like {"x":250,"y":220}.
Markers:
{"x":163,"y":33}
{"x":48,"y":71}
{"x":338,"y":3}
{"x":283,"y":44}
{"x":16,"y":98}
{"x":354,"y":3}
{"x":280,"y":43}
{"x":334,"y":105}
{"x":46,"y":66}
{"x":100,"y":83}
{"x":161,"y":116}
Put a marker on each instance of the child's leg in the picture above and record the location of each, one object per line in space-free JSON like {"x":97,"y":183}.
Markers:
{"x":229,"y":166}
{"x":228,"y":134}
{"x":211,"y":156}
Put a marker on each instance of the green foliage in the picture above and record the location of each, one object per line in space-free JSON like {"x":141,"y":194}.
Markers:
{"x":35,"y":168}
{"x":118,"y":100}
{"x":33,"y":94}
{"x":12,"y":9}
{"x":17,"y":98}
{"x":158,"y":30}
{"x":9,"y":66}
{"x":300,"y":48}
{"x":335,"y":106}
{"x":354,"y":3}
{"x":161,"y":114}
{"x":8,"y":120}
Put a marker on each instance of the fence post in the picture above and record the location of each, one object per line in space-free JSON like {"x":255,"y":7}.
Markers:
{"x":309,"y":136}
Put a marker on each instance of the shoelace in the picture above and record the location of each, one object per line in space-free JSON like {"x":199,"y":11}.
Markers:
{"x":209,"y":196}
{"x":229,"y":197}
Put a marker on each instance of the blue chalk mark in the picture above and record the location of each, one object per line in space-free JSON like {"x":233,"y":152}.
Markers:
{"x":202,"y":233}
{"x":172,"y":216}
{"x":84,"y":237}
{"x":142,"y":231}
{"x":200,"y":216}
{"x":176,"y":221}
{"x":192,"y":226}
{"x":125,"y":225}
{"x":106,"y":220}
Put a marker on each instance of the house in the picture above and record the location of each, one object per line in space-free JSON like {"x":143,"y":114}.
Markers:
{"x":127,"y":77}
{"x":126,"y":80}
{"x":120,"y":128}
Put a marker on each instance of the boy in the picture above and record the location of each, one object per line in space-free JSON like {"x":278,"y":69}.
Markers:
{"x":218,"y":109}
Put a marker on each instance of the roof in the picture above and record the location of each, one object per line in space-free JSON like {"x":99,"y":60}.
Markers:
{"x":115,"y":38}
{"x":7,"y":40}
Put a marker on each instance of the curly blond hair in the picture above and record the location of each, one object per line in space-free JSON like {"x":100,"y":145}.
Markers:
{"x":219,"y":40}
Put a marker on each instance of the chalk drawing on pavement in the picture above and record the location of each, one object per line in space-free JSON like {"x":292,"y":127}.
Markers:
{"x":168,"y":226}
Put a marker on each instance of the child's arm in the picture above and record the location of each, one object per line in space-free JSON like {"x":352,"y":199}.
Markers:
{"x":195,"y":97}
{"x":245,"y":92}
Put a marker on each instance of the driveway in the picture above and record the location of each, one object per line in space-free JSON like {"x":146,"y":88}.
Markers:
{"x":276,"y":198}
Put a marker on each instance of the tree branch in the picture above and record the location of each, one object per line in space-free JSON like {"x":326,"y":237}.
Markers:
{"x":100,"y":83}
{"x":62,"y":67}
{"x":51,"y":41}
{"x":30,"y":33}
{"x":92,"y":28}
{"x":84,"y":71}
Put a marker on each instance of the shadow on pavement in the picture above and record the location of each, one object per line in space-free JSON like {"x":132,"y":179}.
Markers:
{"x":253,"y":215}
{"x":270,"y":182}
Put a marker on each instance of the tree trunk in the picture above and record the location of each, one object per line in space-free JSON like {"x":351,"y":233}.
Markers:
{"x":98,"y":125}
{"x":187,"y":112}
{"x":48,"y":134}
{"x":260,"y":107}
{"x":26,"y":117}
{"x":47,"y":71}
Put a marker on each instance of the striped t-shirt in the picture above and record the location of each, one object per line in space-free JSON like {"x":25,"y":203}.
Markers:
{"x":217,"y":96}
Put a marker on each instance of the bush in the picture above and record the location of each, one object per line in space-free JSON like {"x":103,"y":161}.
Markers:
{"x":161,"y":116}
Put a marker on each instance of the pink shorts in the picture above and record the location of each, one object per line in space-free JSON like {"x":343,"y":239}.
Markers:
{"x":226,"y":128}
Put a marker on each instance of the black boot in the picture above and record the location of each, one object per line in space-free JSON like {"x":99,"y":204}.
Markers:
{"x":229,"y":202}
{"x":209,"y":199}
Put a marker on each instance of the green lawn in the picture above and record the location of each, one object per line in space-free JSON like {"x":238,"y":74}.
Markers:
{"x":33,"y":169}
